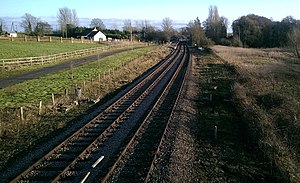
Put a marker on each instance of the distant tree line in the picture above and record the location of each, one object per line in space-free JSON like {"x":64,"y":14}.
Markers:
{"x":248,"y":31}
{"x":69,"y":27}
{"x":257,"y":31}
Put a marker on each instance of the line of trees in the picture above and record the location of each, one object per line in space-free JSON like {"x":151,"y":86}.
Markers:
{"x":248,"y":31}
{"x":69,"y":27}
{"x":34,"y":26}
{"x":260,"y":32}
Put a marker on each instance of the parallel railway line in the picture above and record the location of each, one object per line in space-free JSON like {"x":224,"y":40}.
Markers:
{"x":88,"y":154}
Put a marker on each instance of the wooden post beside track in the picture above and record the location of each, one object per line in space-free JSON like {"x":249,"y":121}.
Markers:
{"x":53,"y":99}
{"x":22,"y":114}
{"x":40,"y":108}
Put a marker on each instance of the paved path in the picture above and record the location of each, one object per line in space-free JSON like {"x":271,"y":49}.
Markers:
{"x":4,"y":82}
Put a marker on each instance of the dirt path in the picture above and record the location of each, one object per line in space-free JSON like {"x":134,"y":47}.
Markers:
{"x":4,"y":82}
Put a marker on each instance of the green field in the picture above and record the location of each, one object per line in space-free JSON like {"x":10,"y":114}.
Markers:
{"x":16,"y":49}
{"x":31,"y":92}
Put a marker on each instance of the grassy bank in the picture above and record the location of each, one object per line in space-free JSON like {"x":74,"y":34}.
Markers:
{"x":267,"y":93}
{"x":16,"y":49}
{"x":32,"y":91}
{"x":17,"y":137}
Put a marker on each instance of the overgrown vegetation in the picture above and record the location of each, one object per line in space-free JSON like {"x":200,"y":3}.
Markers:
{"x":223,"y":154}
{"x":267,"y":94}
{"x":18,"y":136}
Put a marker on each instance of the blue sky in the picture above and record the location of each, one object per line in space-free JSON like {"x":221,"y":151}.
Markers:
{"x":183,"y":10}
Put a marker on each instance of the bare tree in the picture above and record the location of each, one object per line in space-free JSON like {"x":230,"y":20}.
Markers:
{"x":196,"y":32}
{"x":75,"y":19}
{"x":1,"y":25}
{"x":97,"y":22}
{"x":294,"y":40}
{"x":67,"y":18}
{"x":127,"y":25}
{"x":43,"y":28}
{"x":29,"y":23}
{"x":215,"y":26}
{"x":139,"y":25}
{"x":167,"y":27}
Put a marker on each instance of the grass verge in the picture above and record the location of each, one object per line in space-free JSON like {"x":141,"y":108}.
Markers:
{"x":32,"y":91}
{"x":18,"y":49}
{"x":18,"y":137}
{"x":267,"y":93}
{"x":12,"y":71}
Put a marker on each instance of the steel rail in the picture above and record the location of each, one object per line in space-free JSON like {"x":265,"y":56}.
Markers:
{"x":102,"y":115}
{"x":152,"y":167}
{"x":111,"y":128}
{"x":146,"y":121}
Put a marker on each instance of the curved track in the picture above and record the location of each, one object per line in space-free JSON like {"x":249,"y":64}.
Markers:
{"x":88,"y":154}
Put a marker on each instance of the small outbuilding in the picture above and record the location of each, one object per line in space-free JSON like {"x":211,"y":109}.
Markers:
{"x":95,"y":35}
{"x":11,"y":34}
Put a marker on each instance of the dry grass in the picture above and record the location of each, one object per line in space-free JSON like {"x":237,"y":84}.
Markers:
{"x":269,"y":98}
{"x":17,"y":137}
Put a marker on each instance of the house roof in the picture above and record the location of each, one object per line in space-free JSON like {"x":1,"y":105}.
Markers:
{"x":92,"y":34}
{"x":86,"y":32}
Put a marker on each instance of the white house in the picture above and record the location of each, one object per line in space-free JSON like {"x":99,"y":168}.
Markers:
{"x":12,"y":34}
{"x":96,"y":35}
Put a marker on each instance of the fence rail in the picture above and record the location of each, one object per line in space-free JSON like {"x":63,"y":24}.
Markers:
{"x":28,"y":61}
{"x":25,"y":38}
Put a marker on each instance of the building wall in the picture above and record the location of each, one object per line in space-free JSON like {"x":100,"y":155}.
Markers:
{"x":99,"y":36}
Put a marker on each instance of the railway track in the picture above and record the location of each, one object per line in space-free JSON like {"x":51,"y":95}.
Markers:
{"x":87,"y":155}
{"x":139,"y":158}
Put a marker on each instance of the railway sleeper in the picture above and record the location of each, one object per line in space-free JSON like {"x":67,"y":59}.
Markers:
{"x":89,"y":135}
{"x":112,"y":116}
{"x":80,"y":143}
{"x":73,"y":151}
{"x":82,"y":140}
{"x":41,"y":176}
{"x":55,"y":165}
{"x":35,"y":181}
{"x":103,"y":122}
{"x":63,"y":157}
{"x":72,"y":179}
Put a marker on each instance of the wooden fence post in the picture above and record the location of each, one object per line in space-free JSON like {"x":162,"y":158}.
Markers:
{"x":61,"y":39}
{"x":22,"y":114}
{"x":66,"y":92}
{"x":25,"y":38}
{"x":50,"y":39}
{"x":53,"y":99}
{"x":38,"y":39}
{"x":216,"y":132}
{"x":40,"y":108}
